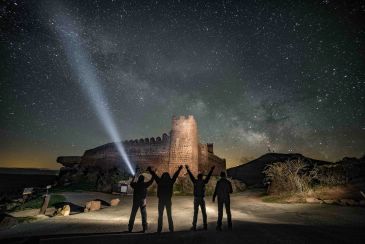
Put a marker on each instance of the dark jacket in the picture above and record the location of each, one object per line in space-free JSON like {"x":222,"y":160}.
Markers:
{"x":140,"y":189}
{"x":222,"y":189}
{"x":165,"y":184}
{"x":199,"y":184}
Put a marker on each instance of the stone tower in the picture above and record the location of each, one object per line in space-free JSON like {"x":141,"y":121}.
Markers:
{"x":184,"y":144}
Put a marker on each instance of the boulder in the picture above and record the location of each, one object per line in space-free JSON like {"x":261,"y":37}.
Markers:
{"x":330,"y":201}
{"x":313,"y":200}
{"x":238,"y":186}
{"x":114,"y":202}
{"x":348,"y":202}
{"x":92,"y":206}
{"x":64,"y":211}
{"x":69,"y":161}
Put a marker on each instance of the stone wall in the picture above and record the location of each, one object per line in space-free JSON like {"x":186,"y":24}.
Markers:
{"x":163,"y":153}
{"x":150,"y":152}
{"x":146,"y":152}
{"x":207,"y":159}
{"x":184,"y":143}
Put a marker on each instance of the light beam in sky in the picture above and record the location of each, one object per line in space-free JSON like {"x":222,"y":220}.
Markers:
{"x":80,"y":63}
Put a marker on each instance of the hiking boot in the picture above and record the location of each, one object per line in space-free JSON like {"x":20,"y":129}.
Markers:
{"x":193,"y":228}
{"x":145,"y":228}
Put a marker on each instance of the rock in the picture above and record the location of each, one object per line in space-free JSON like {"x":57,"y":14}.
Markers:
{"x":7,"y":221}
{"x":238,"y":186}
{"x":114,"y":202}
{"x":64,"y":211}
{"x":329,"y":201}
{"x":92,"y":206}
{"x":68,"y":161}
{"x":348,"y":202}
{"x":313,"y":200}
{"x":11,"y":206}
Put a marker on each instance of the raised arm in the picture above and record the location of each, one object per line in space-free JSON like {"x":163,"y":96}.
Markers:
{"x":132,"y":184}
{"x":192,"y":178}
{"x":148,"y":183}
{"x":177,"y":173}
{"x":206,"y":180}
{"x":154,"y":176}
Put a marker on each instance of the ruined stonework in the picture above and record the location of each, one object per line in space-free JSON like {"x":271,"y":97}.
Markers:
{"x":184,"y":144}
{"x":164,"y":153}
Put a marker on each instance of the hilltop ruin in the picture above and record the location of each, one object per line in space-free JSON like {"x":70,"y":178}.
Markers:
{"x":180,"y":146}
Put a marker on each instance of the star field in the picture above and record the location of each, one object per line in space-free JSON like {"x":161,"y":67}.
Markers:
{"x":257,"y":76}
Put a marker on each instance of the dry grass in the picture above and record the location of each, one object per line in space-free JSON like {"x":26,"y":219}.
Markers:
{"x":289,"y":177}
{"x":294,"y":181}
{"x":335,"y":192}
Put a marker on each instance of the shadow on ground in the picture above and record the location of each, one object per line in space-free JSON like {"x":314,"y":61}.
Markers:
{"x":243,"y":232}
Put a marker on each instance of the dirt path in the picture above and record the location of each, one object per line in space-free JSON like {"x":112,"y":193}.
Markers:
{"x":253,"y":220}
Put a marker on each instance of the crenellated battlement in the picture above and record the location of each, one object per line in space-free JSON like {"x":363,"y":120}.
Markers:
{"x":183,"y":118}
{"x":158,"y":140}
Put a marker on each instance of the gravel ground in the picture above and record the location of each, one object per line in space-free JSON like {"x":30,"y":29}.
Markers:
{"x":253,"y":221}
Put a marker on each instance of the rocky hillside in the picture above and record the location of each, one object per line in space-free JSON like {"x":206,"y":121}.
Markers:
{"x":251,"y":172}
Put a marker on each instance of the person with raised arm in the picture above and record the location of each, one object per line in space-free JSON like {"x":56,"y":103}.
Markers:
{"x":165,"y":186}
{"x":199,"y":195}
{"x":139,"y":201}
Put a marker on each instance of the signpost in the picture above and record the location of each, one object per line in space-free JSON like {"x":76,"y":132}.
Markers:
{"x":123,"y":188}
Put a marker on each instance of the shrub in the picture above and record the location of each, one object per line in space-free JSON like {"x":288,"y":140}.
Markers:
{"x":296,"y":176}
{"x":288,"y":177}
{"x":330,"y":175}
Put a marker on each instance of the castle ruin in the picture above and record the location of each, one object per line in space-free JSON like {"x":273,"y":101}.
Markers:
{"x":166,"y":153}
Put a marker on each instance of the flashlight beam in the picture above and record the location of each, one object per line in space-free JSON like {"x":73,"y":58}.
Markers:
{"x":79,"y":60}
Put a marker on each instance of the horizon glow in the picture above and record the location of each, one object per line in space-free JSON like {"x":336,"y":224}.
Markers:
{"x":81,"y":65}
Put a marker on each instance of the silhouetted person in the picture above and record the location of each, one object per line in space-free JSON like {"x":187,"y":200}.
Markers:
{"x":222,"y":191}
{"x":165,"y":186}
{"x":139,"y":201}
{"x":199,"y":194}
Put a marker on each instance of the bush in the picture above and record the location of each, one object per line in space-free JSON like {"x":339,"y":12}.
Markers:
{"x":288,"y":177}
{"x":330,"y":175}
{"x":298,"y":177}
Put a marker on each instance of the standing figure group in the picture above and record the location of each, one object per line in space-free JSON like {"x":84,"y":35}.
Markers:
{"x":165,"y":186}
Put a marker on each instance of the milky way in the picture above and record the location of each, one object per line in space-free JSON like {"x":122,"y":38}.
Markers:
{"x":258,"y":76}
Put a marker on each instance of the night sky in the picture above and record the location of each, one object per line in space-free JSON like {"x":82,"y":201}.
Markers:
{"x":288,"y":76}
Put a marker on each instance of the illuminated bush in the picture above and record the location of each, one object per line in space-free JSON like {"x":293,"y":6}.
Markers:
{"x":288,"y":177}
{"x":296,"y":176}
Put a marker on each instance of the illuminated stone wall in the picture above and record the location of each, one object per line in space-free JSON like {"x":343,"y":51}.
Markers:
{"x":184,"y":143}
{"x":164,"y":153}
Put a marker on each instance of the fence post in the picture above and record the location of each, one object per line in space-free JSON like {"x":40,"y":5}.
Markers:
{"x":45,"y":204}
